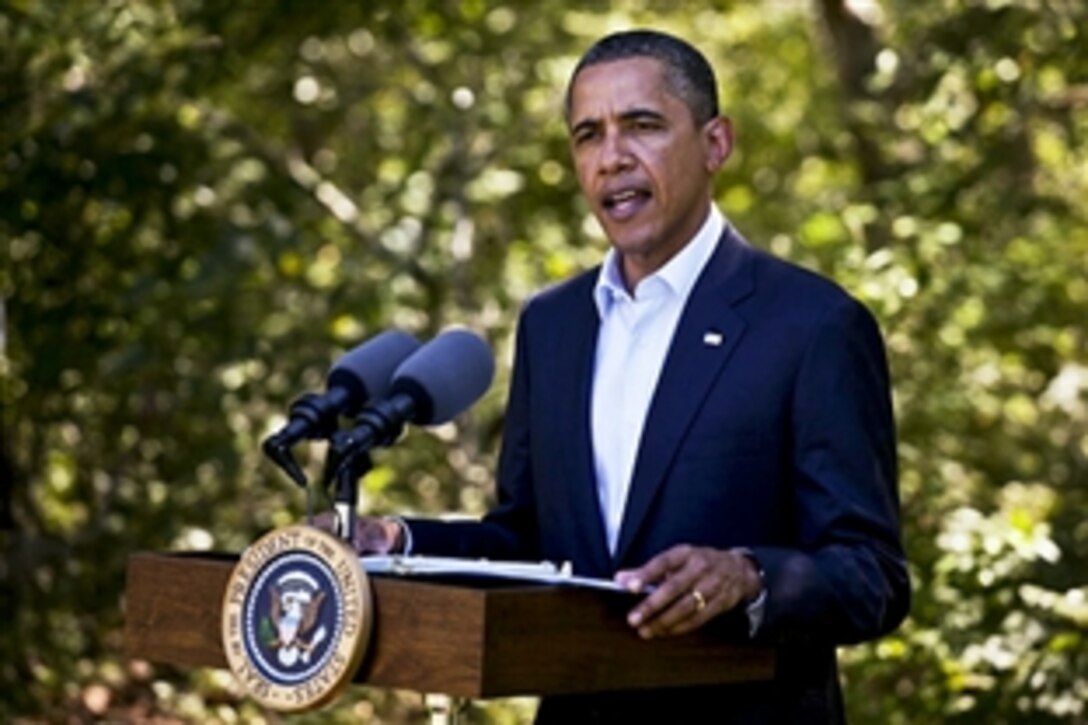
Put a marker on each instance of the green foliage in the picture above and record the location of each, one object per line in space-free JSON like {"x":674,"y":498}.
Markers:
{"x":202,"y":204}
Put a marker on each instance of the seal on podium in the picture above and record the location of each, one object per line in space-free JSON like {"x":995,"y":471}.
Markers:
{"x":297,"y":618}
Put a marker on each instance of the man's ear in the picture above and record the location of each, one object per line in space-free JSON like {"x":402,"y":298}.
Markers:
{"x":718,"y":136}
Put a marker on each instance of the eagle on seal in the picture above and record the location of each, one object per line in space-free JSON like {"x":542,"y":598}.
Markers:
{"x":294,"y":610}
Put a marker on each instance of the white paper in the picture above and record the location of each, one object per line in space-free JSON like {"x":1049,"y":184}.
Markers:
{"x":544,"y":572}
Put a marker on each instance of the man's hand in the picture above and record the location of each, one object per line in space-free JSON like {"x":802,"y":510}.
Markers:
{"x":692,"y":585}
{"x":372,"y":535}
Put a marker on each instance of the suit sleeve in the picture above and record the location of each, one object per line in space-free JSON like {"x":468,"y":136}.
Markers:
{"x":846,"y":579}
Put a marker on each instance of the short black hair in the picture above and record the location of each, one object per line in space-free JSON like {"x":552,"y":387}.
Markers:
{"x":687,"y":72}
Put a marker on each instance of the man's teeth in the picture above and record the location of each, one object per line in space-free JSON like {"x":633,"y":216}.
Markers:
{"x":622,"y":196}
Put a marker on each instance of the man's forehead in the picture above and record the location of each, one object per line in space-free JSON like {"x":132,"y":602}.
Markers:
{"x":618,"y":86}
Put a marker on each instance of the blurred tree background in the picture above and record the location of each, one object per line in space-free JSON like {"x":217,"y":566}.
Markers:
{"x":204,"y":202}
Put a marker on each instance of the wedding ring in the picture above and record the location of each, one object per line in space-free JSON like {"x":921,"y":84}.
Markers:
{"x":700,"y":600}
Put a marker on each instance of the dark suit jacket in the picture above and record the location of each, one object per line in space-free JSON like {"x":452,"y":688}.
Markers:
{"x":779,"y":439}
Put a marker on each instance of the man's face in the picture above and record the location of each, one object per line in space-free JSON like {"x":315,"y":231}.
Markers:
{"x":642,"y":163}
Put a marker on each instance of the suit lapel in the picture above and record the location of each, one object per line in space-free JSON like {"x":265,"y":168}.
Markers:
{"x":579,"y":477}
{"x":708,"y":332}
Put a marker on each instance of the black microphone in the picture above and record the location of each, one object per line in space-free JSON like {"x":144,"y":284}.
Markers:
{"x":363,"y":374}
{"x":443,"y":378}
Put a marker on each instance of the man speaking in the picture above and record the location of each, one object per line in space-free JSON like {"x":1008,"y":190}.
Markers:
{"x":693,"y":415}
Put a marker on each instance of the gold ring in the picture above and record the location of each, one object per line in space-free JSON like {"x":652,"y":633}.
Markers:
{"x":700,"y":600}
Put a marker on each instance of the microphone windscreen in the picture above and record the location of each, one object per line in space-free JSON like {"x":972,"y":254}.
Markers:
{"x":446,"y":376}
{"x":366,"y":372}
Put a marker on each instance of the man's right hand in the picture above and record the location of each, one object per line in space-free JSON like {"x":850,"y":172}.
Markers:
{"x":373,"y":535}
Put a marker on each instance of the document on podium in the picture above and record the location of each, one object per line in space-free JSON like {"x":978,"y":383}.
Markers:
{"x":544,"y":572}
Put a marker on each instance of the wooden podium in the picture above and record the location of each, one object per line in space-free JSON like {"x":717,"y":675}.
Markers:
{"x":469,"y":640}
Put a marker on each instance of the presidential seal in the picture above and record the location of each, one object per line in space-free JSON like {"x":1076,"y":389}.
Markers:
{"x":297,"y":616}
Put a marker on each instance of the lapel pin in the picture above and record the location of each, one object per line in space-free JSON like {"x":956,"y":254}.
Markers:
{"x":713,"y":338}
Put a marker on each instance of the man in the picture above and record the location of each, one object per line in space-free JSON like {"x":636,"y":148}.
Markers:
{"x":694,"y":415}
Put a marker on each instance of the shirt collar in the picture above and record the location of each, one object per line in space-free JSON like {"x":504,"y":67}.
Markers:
{"x":678,"y":274}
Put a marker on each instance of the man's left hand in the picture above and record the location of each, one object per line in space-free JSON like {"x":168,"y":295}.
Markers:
{"x":692,"y":585}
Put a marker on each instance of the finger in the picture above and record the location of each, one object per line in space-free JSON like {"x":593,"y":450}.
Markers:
{"x":686,"y":613}
{"x":692,"y":597}
{"x":678,"y":582}
{"x":375,"y":536}
{"x":654,"y":571}
{"x":678,"y":609}
{"x":717,"y":577}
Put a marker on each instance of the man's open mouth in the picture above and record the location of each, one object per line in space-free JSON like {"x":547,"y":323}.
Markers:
{"x":624,"y":203}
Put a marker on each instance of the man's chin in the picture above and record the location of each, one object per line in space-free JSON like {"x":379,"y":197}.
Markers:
{"x":627,"y":243}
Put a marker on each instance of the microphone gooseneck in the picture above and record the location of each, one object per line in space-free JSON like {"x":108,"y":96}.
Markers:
{"x":362,"y":374}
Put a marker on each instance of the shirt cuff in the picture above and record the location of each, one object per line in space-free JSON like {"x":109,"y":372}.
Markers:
{"x":755,"y":608}
{"x":755,"y":613}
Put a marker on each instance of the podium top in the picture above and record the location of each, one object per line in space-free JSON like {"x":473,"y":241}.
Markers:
{"x":465,"y":638}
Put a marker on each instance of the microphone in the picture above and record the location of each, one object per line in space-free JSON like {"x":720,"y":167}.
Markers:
{"x":360,"y":375}
{"x":446,"y":376}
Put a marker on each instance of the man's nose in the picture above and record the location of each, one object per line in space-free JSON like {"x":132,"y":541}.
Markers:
{"x":615,"y":154}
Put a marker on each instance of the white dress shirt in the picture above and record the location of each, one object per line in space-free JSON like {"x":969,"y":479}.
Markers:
{"x":634,"y":338}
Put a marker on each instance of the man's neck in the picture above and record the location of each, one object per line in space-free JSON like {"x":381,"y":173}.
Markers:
{"x":633,"y":268}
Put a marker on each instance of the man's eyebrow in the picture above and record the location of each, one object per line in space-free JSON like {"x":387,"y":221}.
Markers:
{"x":587,"y":124}
{"x":634,"y":114}
{"x":642,"y":114}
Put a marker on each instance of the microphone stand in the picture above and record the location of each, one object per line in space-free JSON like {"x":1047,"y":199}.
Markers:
{"x":349,"y":459}
{"x":346,"y":499}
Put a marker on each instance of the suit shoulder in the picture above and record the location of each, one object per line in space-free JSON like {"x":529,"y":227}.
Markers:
{"x":777,"y":271}
{"x":798,"y":287}
{"x":564,"y":296}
